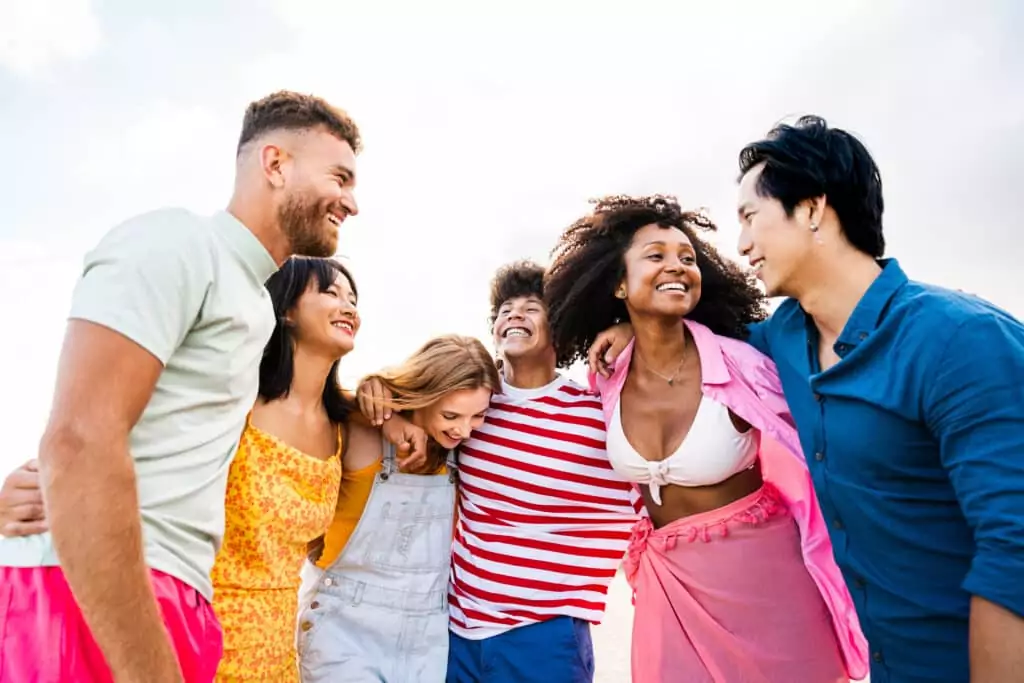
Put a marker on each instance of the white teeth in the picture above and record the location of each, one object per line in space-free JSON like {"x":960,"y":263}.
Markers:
{"x":333,"y":219}
{"x":677,"y":286}
{"x":758,"y":266}
{"x":516,"y":332}
{"x":343,"y":325}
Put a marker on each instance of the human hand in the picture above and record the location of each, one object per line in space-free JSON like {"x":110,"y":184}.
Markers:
{"x":410,"y":442}
{"x":373,"y":398}
{"x":607,"y":347}
{"x":21,"y":502}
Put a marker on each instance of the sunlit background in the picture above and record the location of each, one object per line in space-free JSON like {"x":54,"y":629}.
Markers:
{"x":487,"y":126}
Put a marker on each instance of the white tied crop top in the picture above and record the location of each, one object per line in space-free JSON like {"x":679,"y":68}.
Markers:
{"x":711,"y":452}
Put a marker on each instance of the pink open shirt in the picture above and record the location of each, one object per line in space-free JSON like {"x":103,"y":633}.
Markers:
{"x":741,"y":378}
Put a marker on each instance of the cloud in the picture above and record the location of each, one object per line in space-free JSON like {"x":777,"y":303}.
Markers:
{"x":37,"y":35}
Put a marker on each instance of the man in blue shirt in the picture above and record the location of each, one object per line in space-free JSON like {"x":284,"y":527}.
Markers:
{"x":909,"y":400}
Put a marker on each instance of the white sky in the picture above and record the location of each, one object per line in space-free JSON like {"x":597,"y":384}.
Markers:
{"x":486,"y":130}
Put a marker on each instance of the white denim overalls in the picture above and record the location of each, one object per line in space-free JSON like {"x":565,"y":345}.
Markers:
{"x":379,"y":613}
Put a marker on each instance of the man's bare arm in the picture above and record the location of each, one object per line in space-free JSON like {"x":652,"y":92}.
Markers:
{"x":104,"y":383}
{"x":997,"y":643}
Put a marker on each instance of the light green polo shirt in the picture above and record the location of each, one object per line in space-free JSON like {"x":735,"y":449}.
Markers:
{"x":190,"y":290}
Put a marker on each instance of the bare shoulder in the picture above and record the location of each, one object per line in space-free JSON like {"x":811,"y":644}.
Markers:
{"x":364,"y":445}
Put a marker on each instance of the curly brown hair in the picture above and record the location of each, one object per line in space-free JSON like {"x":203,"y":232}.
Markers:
{"x":588,"y":265}
{"x":287,"y":110}
{"x":519,"y":279}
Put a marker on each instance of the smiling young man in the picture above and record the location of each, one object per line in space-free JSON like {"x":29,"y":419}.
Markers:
{"x":909,"y":401}
{"x":543,"y":519}
{"x":158,"y":371}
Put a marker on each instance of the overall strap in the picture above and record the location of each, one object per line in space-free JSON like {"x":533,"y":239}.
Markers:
{"x":389,"y":465}
{"x":453,"y":465}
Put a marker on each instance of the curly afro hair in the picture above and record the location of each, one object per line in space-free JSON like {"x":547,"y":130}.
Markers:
{"x":522,"y":278}
{"x":588,"y":265}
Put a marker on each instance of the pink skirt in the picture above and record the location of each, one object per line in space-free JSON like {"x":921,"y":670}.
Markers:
{"x":724,"y":597}
{"x":44,"y":639}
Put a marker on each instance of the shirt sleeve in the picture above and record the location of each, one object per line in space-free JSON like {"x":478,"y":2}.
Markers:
{"x":147,"y":280}
{"x":758,"y":336}
{"x":975,"y":408}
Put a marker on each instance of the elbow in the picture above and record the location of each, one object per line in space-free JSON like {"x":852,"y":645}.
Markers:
{"x":59,"y":445}
{"x":995,"y":576}
{"x":73,"y":454}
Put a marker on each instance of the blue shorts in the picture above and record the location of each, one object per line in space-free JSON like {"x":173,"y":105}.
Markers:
{"x":558,"y":650}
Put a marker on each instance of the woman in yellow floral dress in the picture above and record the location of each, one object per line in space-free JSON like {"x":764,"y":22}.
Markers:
{"x":284,"y":481}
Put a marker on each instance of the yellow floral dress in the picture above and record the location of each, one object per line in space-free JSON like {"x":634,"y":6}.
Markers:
{"x":278,"y":499}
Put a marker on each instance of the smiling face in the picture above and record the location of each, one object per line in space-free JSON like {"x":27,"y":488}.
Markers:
{"x":776,"y":245}
{"x":327,"y":321}
{"x":319,"y":182}
{"x":452,"y":419}
{"x":521,"y":328}
{"x":662,"y":277}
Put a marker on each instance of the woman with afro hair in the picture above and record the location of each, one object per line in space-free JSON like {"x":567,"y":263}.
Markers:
{"x":731,"y":567}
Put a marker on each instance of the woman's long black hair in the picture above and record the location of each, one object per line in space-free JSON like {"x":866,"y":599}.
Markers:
{"x":277,"y":367}
{"x":588,"y":265}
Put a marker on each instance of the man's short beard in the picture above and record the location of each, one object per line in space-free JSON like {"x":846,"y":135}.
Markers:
{"x":300,"y":221}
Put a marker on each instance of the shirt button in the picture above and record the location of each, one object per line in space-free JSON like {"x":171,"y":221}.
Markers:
{"x":328,"y":581}
{"x":818,"y":397}
{"x":314,"y":605}
{"x":306,"y":626}
{"x":819,"y":456}
{"x":877,"y":656}
{"x":837,"y":524}
{"x":862,"y":336}
{"x":859,"y":582}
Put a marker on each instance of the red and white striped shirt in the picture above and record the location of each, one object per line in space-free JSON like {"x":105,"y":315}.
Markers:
{"x":544,"y":521}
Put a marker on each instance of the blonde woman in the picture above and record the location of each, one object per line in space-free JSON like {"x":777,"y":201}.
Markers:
{"x":374,"y":600}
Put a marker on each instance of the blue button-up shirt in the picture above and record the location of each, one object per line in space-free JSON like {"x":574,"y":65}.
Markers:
{"x":915,"y":443}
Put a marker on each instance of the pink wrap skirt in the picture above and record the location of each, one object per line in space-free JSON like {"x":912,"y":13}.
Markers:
{"x":724,"y":597}
{"x":44,"y":639}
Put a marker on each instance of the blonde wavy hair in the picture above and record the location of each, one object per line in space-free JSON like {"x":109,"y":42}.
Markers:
{"x":444,"y":364}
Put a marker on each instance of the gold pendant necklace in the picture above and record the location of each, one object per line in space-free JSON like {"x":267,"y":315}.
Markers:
{"x":670,"y":379}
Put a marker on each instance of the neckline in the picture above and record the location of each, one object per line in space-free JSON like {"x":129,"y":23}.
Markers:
{"x":284,"y":444}
{"x":255,"y":256}
{"x":517,"y":392}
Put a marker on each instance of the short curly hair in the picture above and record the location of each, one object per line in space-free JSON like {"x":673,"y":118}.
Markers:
{"x":286,"y":110}
{"x":522,"y":278}
{"x":588,"y":265}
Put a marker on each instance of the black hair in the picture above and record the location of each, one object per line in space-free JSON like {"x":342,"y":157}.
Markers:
{"x":808,"y":160}
{"x":515,"y":280}
{"x":588,"y":266}
{"x":277,"y":367}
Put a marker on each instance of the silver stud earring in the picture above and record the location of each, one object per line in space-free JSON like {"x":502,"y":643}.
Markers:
{"x":817,"y":235}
